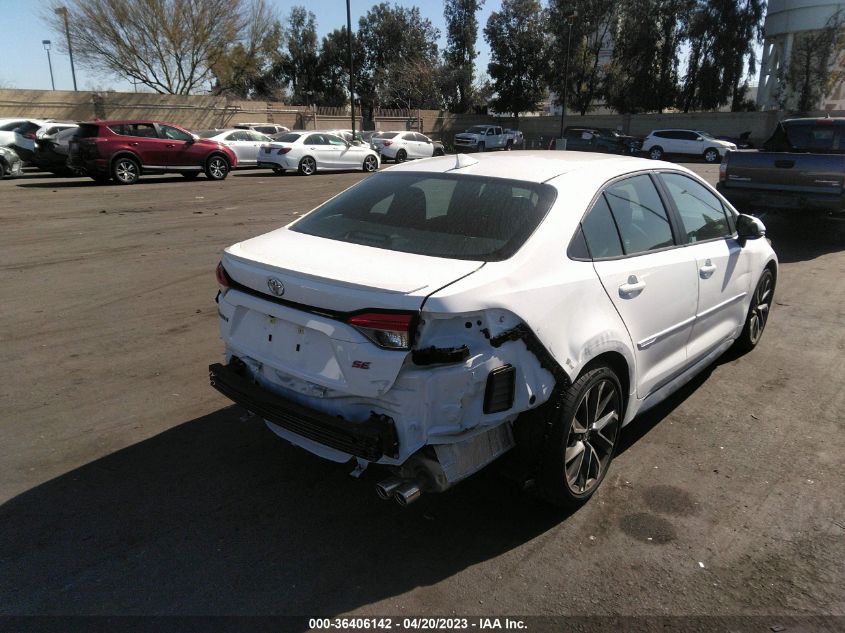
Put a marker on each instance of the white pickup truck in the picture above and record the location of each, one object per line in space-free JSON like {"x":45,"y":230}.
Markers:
{"x":480,"y":138}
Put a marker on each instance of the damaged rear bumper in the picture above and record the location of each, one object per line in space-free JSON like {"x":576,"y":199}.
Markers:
{"x":371,"y":439}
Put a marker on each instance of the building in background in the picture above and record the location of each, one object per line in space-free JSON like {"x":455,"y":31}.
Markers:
{"x":786,"y":22}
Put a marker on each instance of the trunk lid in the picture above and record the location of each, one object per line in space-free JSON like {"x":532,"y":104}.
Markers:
{"x":298,"y":334}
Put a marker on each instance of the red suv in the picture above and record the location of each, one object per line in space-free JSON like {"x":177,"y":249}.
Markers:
{"x":124,"y":150}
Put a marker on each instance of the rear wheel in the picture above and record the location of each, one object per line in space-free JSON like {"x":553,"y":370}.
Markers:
{"x":126,"y":171}
{"x":582,"y":439}
{"x":307,"y":166}
{"x":509,"y":146}
{"x":370,"y":163}
{"x":656,"y":153}
{"x":711,"y":155}
{"x":758,"y":313}
{"x":401,"y":156}
{"x":438,"y":152}
{"x":217,"y":168}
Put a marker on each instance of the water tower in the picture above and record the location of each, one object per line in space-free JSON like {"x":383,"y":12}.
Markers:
{"x":784,"y":20}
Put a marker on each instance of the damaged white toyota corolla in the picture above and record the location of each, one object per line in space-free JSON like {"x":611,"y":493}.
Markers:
{"x":439,"y":314}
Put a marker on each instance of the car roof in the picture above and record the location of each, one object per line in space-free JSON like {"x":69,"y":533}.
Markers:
{"x":108,"y":122}
{"x":817,"y":120}
{"x":529,"y":166}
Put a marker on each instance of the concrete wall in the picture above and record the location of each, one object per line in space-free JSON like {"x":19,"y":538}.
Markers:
{"x":198,"y":112}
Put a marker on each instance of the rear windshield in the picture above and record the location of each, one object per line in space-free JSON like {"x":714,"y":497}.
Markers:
{"x":8,"y":127}
{"x":288,"y":137}
{"x":440,"y":215}
{"x":386,"y":134}
{"x":87,"y":130}
{"x":477,"y":129}
{"x":28,"y":127}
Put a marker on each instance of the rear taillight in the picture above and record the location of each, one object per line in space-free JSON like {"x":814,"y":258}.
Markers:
{"x":29,"y":135}
{"x":723,"y":169}
{"x":222,"y":276}
{"x":284,"y":150}
{"x":390,"y":330}
{"x":386,"y":143}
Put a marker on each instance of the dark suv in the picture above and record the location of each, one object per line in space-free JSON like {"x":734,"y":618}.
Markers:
{"x":124,"y":150}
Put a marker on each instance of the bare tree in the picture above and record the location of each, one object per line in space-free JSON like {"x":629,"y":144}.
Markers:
{"x":815,"y":68}
{"x":168,"y":45}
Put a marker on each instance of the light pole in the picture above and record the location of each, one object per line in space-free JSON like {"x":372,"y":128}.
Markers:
{"x":62,"y":11}
{"x":351,"y":77}
{"x":47,"y":46}
{"x":570,"y":18}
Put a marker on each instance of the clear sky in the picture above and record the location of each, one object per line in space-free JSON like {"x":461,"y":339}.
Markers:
{"x":25,"y":61}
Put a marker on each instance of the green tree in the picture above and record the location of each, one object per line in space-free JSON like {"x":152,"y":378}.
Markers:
{"x":721,"y":38}
{"x":394,"y":38}
{"x":643,"y":73}
{"x":519,"y":59}
{"x":333,"y":69}
{"x":811,"y":73}
{"x":458,"y":72}
{"x":299,"y":63}
{"x":246,"y":69}
{"x":592,"y":30}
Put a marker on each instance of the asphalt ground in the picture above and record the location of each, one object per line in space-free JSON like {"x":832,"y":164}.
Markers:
{"x":129,"y":487}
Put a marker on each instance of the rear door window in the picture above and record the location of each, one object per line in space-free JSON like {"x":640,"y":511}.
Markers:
{"x":600,"y":231}
{"x":702,"y":214}
{"x":639,"y":214}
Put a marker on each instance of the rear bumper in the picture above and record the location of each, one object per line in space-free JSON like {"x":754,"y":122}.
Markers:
{"x":371,"y":439}
{"x":768,"y":199}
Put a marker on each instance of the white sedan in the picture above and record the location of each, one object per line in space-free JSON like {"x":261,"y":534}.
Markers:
{"x":310,"y":151}
{"x":435,"y":316}
{"x":245,"y":143}
{"x":402,"y":146}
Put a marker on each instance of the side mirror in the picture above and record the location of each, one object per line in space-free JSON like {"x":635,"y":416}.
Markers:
{"x":749,"y":228}
{"x":194,"y":138}
{"x":699,"y":138}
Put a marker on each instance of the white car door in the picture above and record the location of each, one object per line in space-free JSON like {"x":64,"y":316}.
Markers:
{"x":724,"y":273}
{"x":426,"y":147}
{"x":253,"y":145}
{"x":317,"y":145}
{"x":652,"y":285}
{"x":237,"y":142}
{"x":409,"y":143}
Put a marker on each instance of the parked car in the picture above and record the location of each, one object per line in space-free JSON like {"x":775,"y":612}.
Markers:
{"x":7,"y":130}
{"x":11,"y":165}
{"x":417,"y":321}
{"x":401,"y":146}
{"x":480,"y":138}
{"x":308,"y":152}
{"x":245,"y":143}
{"x":264,"y":128}
{"x":124,"y":150}
{"x":598,"y":139}
{"x":742,"y":141}
{"x":660,"y":143}
{"x":802,"y":168}
{"x":29,"y":134}
{"x":51,"y":152}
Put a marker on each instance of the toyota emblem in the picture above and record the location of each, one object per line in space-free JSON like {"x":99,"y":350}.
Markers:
{"x":276,"y":286}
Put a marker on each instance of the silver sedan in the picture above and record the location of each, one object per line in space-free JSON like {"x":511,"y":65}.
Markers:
{"x":245,"y":143}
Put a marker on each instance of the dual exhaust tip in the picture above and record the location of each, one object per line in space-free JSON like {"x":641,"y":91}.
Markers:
{"x":403,"y":491}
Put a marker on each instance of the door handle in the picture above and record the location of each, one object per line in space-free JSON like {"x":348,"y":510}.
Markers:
{"x":170,"y":145}
{"x":134,"y":144}
{"x":707,"y":270}
{"x":632,"y":288}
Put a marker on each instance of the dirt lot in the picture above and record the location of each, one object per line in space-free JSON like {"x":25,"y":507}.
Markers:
{"x":129,"y":486}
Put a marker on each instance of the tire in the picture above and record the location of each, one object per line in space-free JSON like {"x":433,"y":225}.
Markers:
{"x":509,"y":146}
{"x":582,"y":439}
{"x":439,"y":152}
{"x":656,"y":153}
{"x":370,"y":163}
{"x":758,"y":313}
{"x":711,"y":155}
{"x":401,"y":156}
{"x":190,"y":175}
{"x":216,"y":167}
{"x":480,"y":147}
{"x":307,"y":166}
{"x":125,"y":171}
